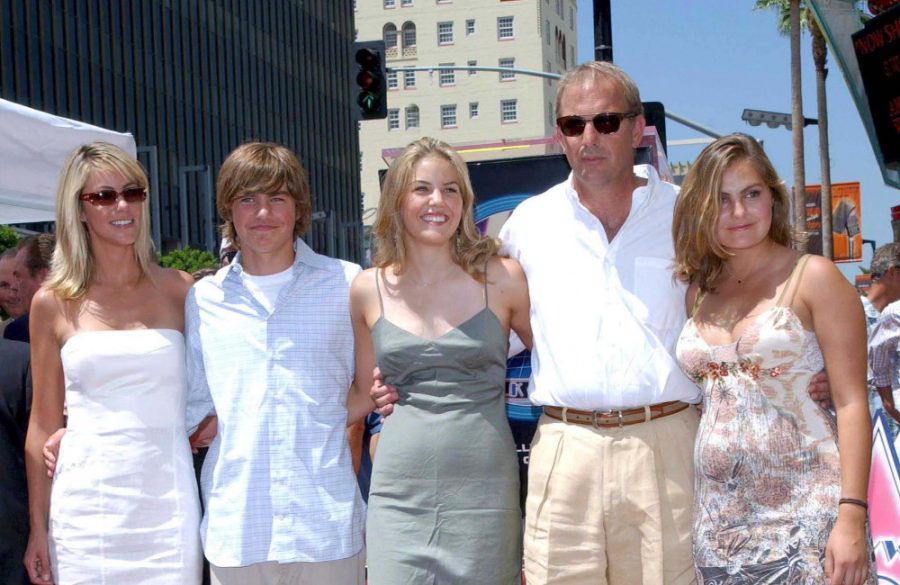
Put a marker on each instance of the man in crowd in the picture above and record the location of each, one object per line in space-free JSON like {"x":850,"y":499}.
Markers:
{"x":15,"y":406}
{"x":270,"y":353}
{"x":10,"y":300}
{"x":32,"y":264}
{"x":884,"y":359}
{"x":884,"y":271}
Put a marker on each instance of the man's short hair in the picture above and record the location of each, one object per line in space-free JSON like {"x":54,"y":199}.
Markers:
{"x":38,"y":252}
{"x":262,"y":167}
{"x":601,"y":71}
{"x":885,"y":258}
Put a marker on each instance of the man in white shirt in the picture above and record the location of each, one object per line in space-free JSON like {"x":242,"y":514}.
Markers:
{"x":610,"y":484}
{"x":270,"y":352}
{"x":884,"y":333}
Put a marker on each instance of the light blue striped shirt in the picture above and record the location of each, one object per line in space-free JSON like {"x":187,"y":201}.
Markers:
{"x":277,"y":482}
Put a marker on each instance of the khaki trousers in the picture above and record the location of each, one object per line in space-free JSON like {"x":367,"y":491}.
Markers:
{"x":351,"y":571}
{"x":611,"y":505}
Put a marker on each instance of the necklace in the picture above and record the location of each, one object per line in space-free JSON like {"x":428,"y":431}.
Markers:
{"x":749,"y":274}
{"x":424,"y":284}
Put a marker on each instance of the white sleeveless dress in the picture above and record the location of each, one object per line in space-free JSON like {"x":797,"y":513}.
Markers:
{"x":124,"y":507}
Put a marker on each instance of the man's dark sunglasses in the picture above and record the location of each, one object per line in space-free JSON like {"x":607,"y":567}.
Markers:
{"x":604,"y":123}
{"x":109,"y":196}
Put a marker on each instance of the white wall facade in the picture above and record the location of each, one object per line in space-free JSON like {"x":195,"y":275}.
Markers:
{"x":543,"y":39}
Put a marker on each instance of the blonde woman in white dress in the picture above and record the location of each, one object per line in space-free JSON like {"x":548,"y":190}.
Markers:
{"x":106,"y":340}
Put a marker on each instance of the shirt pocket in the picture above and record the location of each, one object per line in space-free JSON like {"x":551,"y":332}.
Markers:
{"x":659,"y":292}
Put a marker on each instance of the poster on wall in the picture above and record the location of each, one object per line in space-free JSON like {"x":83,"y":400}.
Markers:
{"x":846,"y":221}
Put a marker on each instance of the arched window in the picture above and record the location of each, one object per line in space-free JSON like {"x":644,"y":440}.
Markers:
{"x":390,"y":35}
{"x":409,"y":34}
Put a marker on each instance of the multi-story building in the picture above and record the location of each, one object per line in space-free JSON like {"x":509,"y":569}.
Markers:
{"x":193,"y":80}
{"x":463,"y":107}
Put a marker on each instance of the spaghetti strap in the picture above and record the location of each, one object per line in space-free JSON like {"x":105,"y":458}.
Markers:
{"x":485,"y":285}
{"x":797,"y":271}
{"x":378,"y":288}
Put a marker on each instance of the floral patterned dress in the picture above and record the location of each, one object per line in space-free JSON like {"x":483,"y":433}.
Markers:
{"x":766,"y":457}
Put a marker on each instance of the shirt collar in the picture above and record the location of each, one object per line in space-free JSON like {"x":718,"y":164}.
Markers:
{"x":303,"y":256}
{"x":639,"y":196}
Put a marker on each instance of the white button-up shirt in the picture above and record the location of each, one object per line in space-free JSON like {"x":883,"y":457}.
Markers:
{"x":277,"y":482}
{"x":605,"y":315}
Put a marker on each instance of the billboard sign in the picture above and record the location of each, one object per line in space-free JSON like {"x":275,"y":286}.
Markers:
{"x":846,"y":221}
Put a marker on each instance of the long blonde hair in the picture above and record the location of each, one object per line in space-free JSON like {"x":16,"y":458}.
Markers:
{"x":470,"y":251}
{"x":699,"y":257}
{"x":73,"y":262}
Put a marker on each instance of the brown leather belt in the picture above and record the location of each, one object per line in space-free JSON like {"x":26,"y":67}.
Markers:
{"x":615,"y":418}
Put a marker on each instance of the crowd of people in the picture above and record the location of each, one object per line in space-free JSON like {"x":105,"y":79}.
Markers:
{"x":706,"y":417}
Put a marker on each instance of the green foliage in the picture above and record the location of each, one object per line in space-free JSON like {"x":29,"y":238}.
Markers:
{"x":783,"y":9}
{"x":8,"y":238}
{"x":188,"y":259}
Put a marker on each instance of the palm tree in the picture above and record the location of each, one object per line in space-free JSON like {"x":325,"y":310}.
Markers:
{"x":820,"y":58}
{"x":792,"y":16}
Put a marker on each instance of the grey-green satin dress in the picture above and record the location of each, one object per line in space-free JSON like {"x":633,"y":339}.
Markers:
{"x":444,"y":499}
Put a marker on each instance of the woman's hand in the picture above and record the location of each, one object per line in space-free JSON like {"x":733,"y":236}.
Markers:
{"x":37,"y":558}
{"x":847,"y":553}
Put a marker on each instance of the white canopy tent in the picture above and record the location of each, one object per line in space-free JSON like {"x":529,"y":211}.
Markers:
{"x":33,"y":147}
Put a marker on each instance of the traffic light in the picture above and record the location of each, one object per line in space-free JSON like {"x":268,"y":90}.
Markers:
{"x":371,"y":80}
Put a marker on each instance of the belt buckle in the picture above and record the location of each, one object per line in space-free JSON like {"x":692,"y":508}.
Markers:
{"x":609,"y":412}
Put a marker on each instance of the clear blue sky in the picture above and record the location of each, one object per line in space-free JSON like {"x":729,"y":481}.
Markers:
{"x":707,"y":60}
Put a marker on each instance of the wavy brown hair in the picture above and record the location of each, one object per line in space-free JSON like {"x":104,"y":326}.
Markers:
{"x":471,"y":251}
{"x":699,"y":257}
{"x":262,"y":167}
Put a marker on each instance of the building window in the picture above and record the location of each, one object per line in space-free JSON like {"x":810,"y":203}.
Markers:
{"x":547,"y":31}
{"x":409,"y":79}
{"x":572,"y":55}
{"x":448,"y":116}
{"x":470,"y":27}
{"x":393,"y":119}
{"x":409,"y":35}
{"x":412,"y":117}
{"x":445,"y":33}
{"x":389,"y":34}
{"x":473,"y":109}
{"x":508,"y":62}
{"x":571,"y":18}
{"x":508,"y":111}
{"x":390,"y":3}
{"x":392,"y":80}
{"x":446,"y":76}
{"x":550,"y":119}
{"x":559,"y":8}
{"x":547,"y":69}
{"x":472,"y":63}
{"x":505,"y":27}
{"x":406,"y":2}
